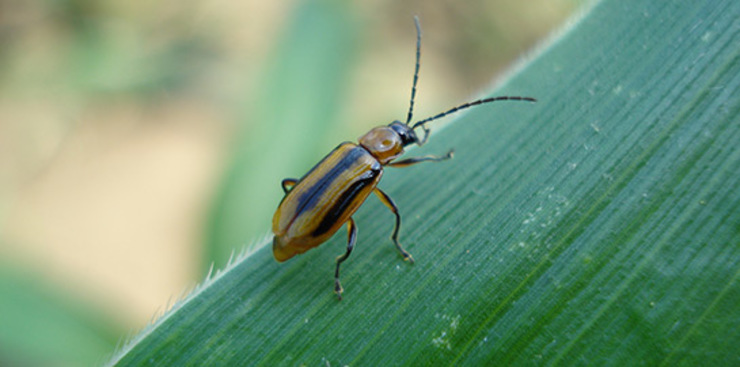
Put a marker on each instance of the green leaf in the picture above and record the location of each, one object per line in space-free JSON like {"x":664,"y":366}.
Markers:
{"x":598,"y":226}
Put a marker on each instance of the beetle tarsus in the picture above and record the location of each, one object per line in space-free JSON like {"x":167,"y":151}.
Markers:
{"x":338,"y":288}
{"x":406,"y":256}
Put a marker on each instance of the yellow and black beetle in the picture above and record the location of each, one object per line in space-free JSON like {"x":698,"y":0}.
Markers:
{"x":317,"y":205}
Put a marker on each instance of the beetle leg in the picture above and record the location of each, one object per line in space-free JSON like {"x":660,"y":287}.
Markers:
{"x":351,"y":238}
{"x":392,"y":206}
{"x":426,"y":135}
{"x":288,"y":183}
{"x":426,"y":158}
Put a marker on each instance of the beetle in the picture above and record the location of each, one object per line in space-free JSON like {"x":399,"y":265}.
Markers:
{"x":317,"y":205}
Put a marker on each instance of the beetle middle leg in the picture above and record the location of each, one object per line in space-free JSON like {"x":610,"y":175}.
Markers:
{"x":426,"y":158}
{"x":392,"y":206}
{"x":288,"y":184}
{"x":351,"y":238}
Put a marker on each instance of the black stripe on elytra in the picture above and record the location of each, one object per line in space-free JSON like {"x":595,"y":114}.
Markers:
{"x":344,"y":201}
{"x":314,"y":194}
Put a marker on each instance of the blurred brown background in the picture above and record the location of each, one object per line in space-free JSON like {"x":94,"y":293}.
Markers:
{"x":119,"y":121}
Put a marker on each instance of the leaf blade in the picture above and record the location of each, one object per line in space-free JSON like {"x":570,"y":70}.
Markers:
{"x":598,"y":227}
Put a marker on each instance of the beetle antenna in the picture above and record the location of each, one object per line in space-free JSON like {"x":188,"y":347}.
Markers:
{"x":416,"y":69}
{"x":471,"y":104}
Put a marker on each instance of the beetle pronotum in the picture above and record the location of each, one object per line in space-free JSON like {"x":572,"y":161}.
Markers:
{"x":317,"y":205}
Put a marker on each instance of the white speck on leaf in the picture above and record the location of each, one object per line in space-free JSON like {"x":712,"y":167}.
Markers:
{"x":443,"y":340}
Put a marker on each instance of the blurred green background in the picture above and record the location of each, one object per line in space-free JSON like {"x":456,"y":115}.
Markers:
{"x":142,"y":142}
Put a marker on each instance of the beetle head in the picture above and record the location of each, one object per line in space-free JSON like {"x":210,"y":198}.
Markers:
{"x":405,"y":132}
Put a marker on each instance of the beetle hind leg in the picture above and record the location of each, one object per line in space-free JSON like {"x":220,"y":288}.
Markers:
{"x":392,"y":206}
{"x":351,"y":239}
{"x":288,"y":184}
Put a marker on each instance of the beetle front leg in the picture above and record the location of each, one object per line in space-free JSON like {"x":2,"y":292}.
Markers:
{"x":288,"y":183}
{"x":351,"y":238}
{"x":426,"y":158}
{"x":392,"y":206}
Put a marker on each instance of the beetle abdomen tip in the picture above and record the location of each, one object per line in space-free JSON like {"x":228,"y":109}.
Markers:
{"x":279,"y":249}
